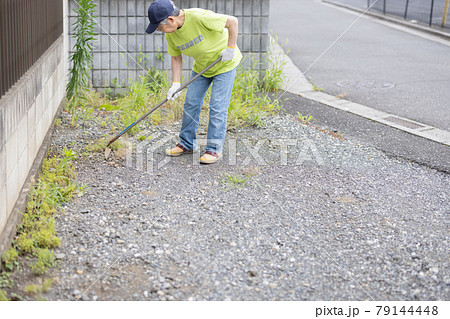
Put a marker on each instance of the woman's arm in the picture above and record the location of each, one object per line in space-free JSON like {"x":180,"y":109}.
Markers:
{"x":177,"y":62}
{"x":233,"y":29}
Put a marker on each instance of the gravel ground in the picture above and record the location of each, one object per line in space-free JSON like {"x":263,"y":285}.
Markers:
{"x":331,"y":220}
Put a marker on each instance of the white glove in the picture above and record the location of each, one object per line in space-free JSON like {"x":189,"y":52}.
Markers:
{"x":227,"y":54}
{"x":172,"y":90}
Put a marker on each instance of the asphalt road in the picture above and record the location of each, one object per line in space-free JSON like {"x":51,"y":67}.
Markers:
{"x":372,"y":64}
{"x":419,"y":70}
{"x":418,"y":10}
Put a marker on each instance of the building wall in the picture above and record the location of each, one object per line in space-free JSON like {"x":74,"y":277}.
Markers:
{"x":26,"y":114}
{"x":124,"y":49}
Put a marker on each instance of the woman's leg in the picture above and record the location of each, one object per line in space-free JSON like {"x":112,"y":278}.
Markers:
{"x":218,"y":110}
{"x":191,"y":111}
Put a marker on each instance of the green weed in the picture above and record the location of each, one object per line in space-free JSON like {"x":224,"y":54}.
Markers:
{"x":160,"y":55}
{"x":84,"y":34}
{"x":5,"y":280}
{"x":46,"y":237}
{"x":99,"y":145}
{"x":109,"y":91}
{"x":250,"y":103}
{"x":3,"y":296}
{"x":45,"y":260}
{"x":315,"y":88}
{"x":25,"y":244}
{"x":274,"y":75}
{"x":234,"y":180}
{"x":38,"y":290}
{"x":58,"y":122}
{"x":10,"y":259}
{"x":304,"y":118}
{"x":37,"y":231}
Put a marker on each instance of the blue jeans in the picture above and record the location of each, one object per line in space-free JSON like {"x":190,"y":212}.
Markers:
{"x":222,"y":86}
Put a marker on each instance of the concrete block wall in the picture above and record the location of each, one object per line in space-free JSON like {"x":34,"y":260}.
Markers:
{"x":123,"y":49}
{"x":26,"y":114}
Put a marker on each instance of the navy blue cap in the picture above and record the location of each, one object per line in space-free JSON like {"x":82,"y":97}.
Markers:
{"x":157,"y":12}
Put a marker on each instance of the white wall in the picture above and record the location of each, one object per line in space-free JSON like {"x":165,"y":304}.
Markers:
{"x":27,"y":111}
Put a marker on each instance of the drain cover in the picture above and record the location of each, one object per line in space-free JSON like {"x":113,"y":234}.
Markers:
{"x":365,"y":85}
{"x":402,"y":122}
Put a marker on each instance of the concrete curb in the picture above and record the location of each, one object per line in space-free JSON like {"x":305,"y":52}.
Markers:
{"x":296,"y":83}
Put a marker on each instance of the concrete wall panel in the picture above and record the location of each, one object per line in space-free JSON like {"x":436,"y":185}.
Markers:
{"x":126,"y":20}
{"x":26,"y":113}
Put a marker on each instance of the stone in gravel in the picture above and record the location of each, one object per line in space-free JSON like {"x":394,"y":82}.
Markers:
{"x":60,"y":256}
{"x":81,"y":250}
{"x":85,"y":211}
{"x":160,"y":293}
{"x":76,"y":292}
{"x":434,"y":270}
{"x":252,"y":273}
{"x":85,"y":298}
{"x":79,"y":272}
{"x":120,"y":241}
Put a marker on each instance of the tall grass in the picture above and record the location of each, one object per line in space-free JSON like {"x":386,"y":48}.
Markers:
{"x":81,"y":58}
{"x":37,"y":232}
{"x":250,"y":102}
{"x":274,"y":75}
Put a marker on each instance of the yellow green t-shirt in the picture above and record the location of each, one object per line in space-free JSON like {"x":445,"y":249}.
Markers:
{"x":203,"y":36}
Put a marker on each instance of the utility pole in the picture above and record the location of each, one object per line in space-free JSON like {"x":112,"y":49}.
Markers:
{"x":444,"y":17}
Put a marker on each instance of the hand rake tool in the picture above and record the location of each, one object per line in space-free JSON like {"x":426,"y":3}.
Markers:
{"x":108,"y":150}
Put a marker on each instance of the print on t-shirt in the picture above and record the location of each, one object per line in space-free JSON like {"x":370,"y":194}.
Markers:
{"x":190,"y":44}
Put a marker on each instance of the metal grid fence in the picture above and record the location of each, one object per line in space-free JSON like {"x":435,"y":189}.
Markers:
{"x":123,"y":49}
{"x":27,"y":29}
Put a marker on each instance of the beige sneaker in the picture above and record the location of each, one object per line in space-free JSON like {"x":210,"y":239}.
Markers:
{"x":178,"y":151}
{"x":210,"y":157}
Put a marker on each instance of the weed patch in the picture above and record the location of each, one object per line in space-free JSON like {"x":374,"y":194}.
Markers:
{"x":234,"y":180}
{"x":5,"y":280}
{"x":37,"y":234}
{"x":3,"y":296}
{"x":10,"y":259}
{"x":304,"y":118}
{"x":45,"y":260}
{"x":250,"y":103}
{"x":274,"y":75}
{"x":38,"y":290}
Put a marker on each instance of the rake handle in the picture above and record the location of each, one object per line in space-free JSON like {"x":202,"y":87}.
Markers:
{"x":161,"y":103}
